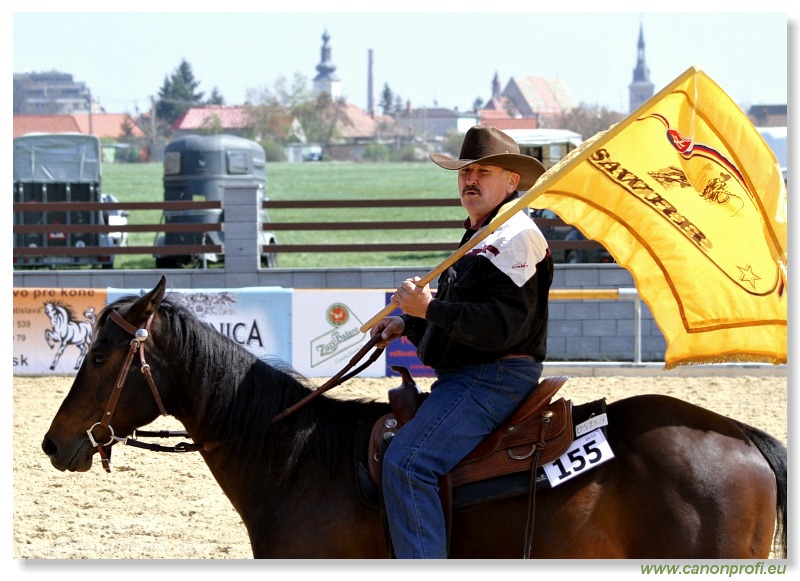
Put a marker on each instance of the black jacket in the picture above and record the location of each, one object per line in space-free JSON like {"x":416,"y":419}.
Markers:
{"x":492,"y":302}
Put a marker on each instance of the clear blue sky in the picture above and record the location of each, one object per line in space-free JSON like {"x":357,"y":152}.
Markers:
{"x":449,"y":58}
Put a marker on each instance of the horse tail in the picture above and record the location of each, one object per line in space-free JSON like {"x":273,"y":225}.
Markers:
{"x":775,"y":454}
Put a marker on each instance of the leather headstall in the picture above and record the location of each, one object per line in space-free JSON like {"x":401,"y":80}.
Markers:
{"x":140,"y":336}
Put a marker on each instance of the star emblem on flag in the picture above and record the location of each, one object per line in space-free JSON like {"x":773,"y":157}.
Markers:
{"x":747,"y":275}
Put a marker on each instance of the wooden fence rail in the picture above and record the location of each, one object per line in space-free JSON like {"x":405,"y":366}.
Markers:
{"x":26,"y":212}
{"x":387,"y":225}
{"x":23,"y":209}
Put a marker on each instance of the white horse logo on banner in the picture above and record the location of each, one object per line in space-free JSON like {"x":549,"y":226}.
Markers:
{"x":66,"y":330}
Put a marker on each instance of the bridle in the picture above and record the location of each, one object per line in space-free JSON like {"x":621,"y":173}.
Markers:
{"x":140,"y":336}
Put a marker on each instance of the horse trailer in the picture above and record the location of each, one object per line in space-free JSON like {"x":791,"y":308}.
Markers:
{"x":58,"y":167}
{"x":201,"y":168}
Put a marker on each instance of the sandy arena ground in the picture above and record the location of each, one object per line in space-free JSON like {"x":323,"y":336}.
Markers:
{"x":168,"y":506}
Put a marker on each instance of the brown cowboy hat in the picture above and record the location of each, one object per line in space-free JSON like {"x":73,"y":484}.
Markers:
{"x":490,"y":146}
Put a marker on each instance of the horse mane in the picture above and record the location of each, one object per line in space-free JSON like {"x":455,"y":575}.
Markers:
{"x":239,"y":394}
{"x":68,"y":312}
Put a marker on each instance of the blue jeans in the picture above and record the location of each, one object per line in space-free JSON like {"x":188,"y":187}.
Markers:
{"x":464,"y":406}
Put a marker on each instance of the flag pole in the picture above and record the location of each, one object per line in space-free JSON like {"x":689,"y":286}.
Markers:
{"x":542,"y":184}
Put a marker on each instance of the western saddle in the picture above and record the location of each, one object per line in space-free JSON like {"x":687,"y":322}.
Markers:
{"x":538,"y":432}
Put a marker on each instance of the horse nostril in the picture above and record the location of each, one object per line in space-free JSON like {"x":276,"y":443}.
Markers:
{"x":49,"y":447}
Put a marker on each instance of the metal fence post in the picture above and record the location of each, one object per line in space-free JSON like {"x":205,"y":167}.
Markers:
{"x":633,"y":294}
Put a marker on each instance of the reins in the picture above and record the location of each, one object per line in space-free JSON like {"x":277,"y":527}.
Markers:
{"x":339,"y":378}
{"x":140,"y":336}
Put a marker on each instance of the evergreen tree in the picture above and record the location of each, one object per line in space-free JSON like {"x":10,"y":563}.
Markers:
{"x":397,"y":109}
{"x":178,"y":94}
{"x":387,"y":100}
{"x":216,"y":97}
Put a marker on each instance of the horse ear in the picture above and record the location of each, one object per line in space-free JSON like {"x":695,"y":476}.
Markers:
{"x":147,"y":304}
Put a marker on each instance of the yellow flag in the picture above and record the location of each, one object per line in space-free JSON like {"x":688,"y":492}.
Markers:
{"x":687,"y":196}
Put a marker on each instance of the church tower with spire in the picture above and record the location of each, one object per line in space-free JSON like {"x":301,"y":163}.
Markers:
{"x":497,"y":92}
{"x":641,"y":89}
{"x":326,"y":79}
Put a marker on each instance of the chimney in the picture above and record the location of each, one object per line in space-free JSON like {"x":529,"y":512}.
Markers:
{"x":370,"y":86}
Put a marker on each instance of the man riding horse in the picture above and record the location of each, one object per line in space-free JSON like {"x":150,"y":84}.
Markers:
{"x":484,"y":335}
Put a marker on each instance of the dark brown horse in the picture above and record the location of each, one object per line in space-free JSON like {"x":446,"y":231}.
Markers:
{"x":684,"y":483}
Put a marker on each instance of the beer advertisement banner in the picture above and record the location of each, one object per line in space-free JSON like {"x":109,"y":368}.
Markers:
{"x":326,"y":331}
{"x":259,"y":319}
{"x":53,"y":328}
{"x":403,"y":353}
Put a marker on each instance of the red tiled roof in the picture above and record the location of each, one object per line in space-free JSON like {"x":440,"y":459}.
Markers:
{"x":500,"y":105}
{"x":107,"y":124}
{"x":358,"y":123}
{"x":103,"y":124}
{"x":501,"y":119}
{"x":544,"y":95}
{"x":226,"y":117}
{"x":503,"y":123}
{"x":493,"y":114}
{"x":24,"y":124}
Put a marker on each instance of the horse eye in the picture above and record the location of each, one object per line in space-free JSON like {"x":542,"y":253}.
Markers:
{"x":99,"y":358}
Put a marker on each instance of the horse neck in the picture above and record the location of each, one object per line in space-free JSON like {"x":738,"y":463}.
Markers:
{"x":303,"y":462}
{"x":60,"y":319}
{"x":227,"y":402}
{"x":220,"y":391}
{"x":261,"y":480}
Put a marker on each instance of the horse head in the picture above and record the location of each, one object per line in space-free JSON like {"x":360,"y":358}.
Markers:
{"x":55,"y":313}
{"x":114,"y":390}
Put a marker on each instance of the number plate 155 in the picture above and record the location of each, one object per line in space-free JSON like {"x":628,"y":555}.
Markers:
{"x":586,"y":452}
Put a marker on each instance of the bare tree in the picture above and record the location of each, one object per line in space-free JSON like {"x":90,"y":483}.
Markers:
{"x":588,"y":119}
{"x":271,"y":109}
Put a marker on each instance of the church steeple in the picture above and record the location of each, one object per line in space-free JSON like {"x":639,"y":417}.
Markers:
{"x":326,"y":80}
{"x":641,"y":89}
{"x":496,"y":90}
{"x":641,"y":72}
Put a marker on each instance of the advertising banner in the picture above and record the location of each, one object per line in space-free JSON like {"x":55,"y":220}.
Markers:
{"x":316,"y":331}
{"x":326,"y":331}
{"x":403,"y":353}
{"x":53,"y":328}
{"x":258,"y":318}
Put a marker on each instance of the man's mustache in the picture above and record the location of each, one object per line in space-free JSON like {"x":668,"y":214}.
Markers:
{"x":471,"y":189}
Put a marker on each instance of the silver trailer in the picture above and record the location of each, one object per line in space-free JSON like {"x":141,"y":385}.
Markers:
{"x":201,"y":167}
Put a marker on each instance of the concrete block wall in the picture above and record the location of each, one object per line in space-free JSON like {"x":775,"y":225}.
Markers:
{"x":600,"y":330}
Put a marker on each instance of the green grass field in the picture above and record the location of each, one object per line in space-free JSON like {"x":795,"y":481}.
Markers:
{"x":316,"y":181}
